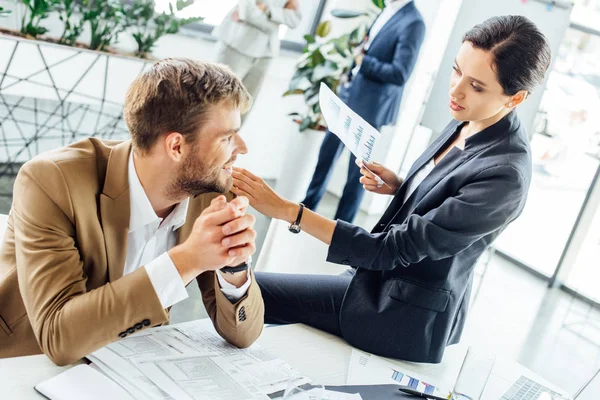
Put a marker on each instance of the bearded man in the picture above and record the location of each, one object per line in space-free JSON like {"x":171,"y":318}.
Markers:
{"x":103,"y":236}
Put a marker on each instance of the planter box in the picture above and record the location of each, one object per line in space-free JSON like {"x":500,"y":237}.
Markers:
{"x":299,"y":164}
{"x":52,"y":95}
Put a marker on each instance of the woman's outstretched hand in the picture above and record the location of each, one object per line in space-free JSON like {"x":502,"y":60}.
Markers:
{"x":261,"y":196}
{"x":392,"y":181}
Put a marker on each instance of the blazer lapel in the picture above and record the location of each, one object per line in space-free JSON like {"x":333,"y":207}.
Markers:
{"x":454,"y":159}
{"x":398,"y":200}
{"x":433,"y":149}
{"x":114,"y":209}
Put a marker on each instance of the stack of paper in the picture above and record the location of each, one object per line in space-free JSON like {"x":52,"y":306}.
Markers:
{"x":191,"y":361}
{"x":318,"y":394}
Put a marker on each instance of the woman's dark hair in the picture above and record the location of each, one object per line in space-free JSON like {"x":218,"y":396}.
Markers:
{"x":521,"y":52}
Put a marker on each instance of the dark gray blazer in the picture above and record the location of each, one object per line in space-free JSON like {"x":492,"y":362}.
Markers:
{"x":376,"y":91}
{"x":410,"y":294}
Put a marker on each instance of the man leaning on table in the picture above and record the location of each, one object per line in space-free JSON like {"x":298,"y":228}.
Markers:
{"x":103,"y":236}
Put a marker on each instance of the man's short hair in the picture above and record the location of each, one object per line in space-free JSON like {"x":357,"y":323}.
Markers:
{"x":174,"y":96}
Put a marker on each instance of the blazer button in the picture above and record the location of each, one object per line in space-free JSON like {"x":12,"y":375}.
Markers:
{"x":138,"y":326}
{"x":130,"y":331}
{"x":146,"y":322}
{"x":122,"y":334}
{"x":345,"y":262}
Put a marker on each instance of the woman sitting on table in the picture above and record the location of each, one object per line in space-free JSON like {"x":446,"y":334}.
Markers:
{"x":407,"y":293}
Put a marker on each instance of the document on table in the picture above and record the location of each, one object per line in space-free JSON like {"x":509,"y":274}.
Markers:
{"x":201,"y":377}
{"x":367,"y":369}
{"x":150,"y":363}
{"x":318,"y":394}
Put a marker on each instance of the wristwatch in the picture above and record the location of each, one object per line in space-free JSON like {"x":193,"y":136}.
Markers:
{"x":295,"y":227}
{"x":238,"y":268}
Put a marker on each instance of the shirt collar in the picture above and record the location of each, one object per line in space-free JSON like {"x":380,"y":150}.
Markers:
{"x":141,"y":211}
{"x":396,"y":5}
{"x":505,"y":127}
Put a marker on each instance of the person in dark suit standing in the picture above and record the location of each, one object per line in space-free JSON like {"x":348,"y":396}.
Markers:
{"x":373,"y":89}
{"x":407,"y":293}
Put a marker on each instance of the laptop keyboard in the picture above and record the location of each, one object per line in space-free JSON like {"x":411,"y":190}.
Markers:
{"x":526,"y":389}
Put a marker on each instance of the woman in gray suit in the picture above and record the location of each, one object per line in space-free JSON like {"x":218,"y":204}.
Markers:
{"x":407,"y":293}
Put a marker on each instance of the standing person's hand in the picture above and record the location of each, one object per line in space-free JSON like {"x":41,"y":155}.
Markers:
{"x":261,"y":196}
{"x":261,"y":6}
{"x":235,"y":16}
{"x":222,"y":235}
{"x":388,"y":176}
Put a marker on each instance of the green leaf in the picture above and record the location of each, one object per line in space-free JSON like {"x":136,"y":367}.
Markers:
{"x":341,"y":13}
{"x":379,"y":4}
{"x":306,"y":122}
{"x":323,"y":29}
{"x":316,"y":108}
{"x":317,"y":58}
{"x":309,"y":39}
{"x":323,"y":71}
{"x":301,"y":83}
{"x":340,"y":48}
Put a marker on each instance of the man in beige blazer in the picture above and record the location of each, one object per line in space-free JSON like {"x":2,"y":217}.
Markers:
{"x":103,"y":236}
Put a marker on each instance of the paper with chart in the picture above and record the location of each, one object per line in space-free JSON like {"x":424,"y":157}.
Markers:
{"x":356,"y":133}
{"x":367,"y":369}
{"x":133,"y":362}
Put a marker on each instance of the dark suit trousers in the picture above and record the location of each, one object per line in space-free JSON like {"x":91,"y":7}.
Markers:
{"x":313,"y":300}
{"x":331,"y":149}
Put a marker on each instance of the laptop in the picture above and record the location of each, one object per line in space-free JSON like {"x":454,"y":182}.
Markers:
{"x":527,"y":389}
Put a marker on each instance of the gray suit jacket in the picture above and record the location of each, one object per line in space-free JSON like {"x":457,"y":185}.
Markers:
{"x":256,"y":35}
{"x":410,"y":294}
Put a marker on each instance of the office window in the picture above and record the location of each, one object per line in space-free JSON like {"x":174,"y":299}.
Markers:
{"x":585,"y":275}
{"x":566,"y":154}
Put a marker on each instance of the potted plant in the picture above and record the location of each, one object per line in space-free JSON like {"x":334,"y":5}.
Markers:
{"x":147,"y":26}
{"x":323,"y":60}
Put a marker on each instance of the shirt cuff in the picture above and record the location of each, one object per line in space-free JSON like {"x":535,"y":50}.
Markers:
{"x":233,"y":293}
{"x":166,"y":280}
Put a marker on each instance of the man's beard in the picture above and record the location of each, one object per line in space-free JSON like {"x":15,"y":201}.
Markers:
{"x":193,"y":179}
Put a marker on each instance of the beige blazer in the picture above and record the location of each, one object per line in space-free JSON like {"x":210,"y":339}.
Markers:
{"x":256,"y":35}
{"x":62,"y":289}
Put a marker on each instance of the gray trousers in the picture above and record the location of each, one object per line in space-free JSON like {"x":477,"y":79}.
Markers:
{"x":250,"y":70}
{"x":314,"y":300}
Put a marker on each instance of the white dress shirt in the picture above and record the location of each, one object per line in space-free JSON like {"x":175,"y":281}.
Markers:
{"x":149,"y":239}
{"x":391,"y":8}
{"x":419,"y":177}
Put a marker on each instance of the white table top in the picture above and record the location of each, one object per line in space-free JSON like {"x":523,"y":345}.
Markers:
{"x":316,"y":354}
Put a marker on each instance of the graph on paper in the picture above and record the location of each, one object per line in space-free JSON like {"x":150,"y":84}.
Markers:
{"x":356,"y":133}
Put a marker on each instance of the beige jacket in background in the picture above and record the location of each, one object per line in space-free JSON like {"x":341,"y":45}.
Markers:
{"x":256,"y":35}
